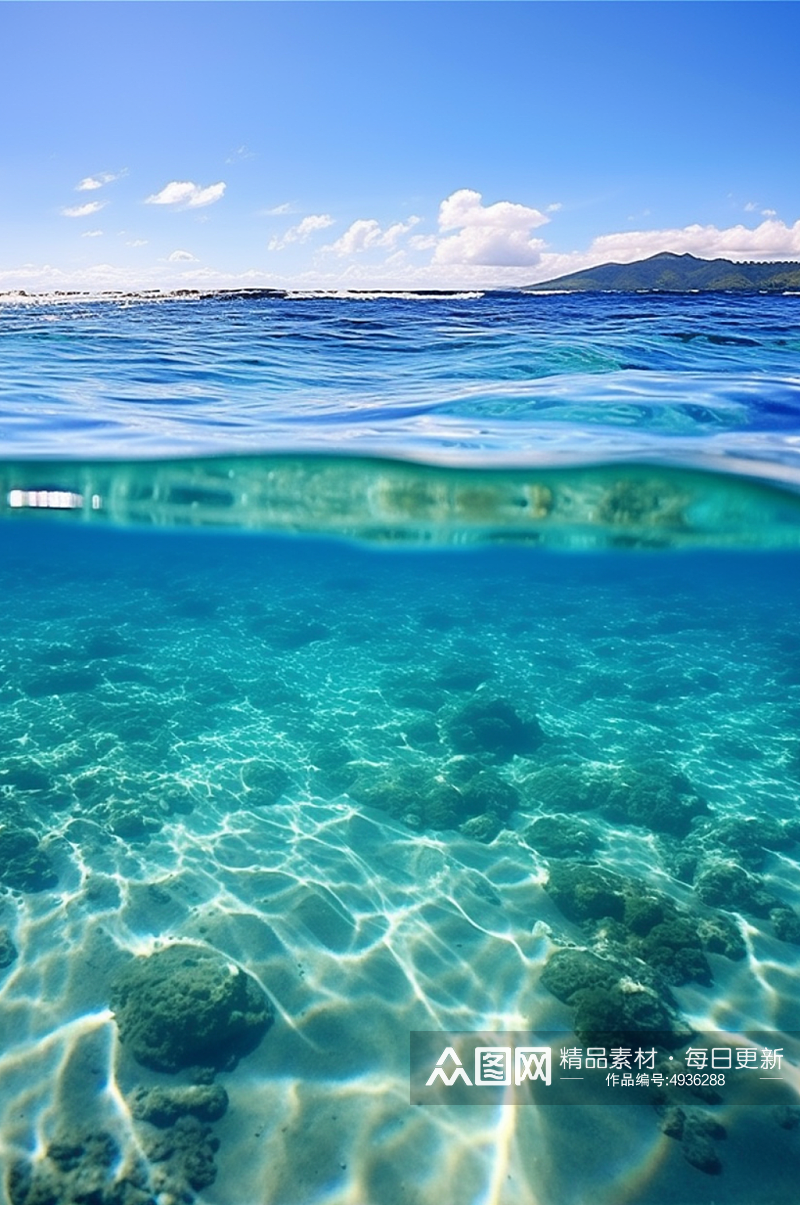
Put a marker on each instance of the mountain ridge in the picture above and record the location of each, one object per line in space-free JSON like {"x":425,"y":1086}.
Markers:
{"x":669,"y":272}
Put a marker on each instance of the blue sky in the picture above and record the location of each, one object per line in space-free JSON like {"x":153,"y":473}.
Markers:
{"x":374,"y":143}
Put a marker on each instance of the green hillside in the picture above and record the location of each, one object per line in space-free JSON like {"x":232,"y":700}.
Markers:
{"x":671,"y":273}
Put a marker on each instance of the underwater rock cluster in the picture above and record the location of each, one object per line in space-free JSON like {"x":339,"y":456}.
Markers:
{"x":620,"y":913}
{"x":613,"y":997}
{"x":719,"y":855}
{"x":181,"y":1008}
{"x":24,"y":864}
{"x":721,"y":858}
{"x":162,"y":1107}
{"x":640,"y":942}
{"x":183,"y":1154}
{"x":463,"y":794}
{"x":695,"y":1130}
{"x":462,"y":787}
{"x":560,"y":836}
{"x":650,"y":795}
{"x":87,"y":1167}
{"x":265,"y":781}
{"x":493,"y":727}
{"x":8,"y":951}
{"x":80,"y":1166}
{"x":184,"y":1006}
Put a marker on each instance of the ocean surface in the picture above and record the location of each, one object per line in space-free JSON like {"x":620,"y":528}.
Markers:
{"x":377,"y":665}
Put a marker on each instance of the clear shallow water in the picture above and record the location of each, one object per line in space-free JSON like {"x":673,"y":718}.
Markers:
{"x":267,"y":747}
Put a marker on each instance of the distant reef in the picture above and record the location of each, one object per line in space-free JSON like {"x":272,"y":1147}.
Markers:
{"x":669,"y":273}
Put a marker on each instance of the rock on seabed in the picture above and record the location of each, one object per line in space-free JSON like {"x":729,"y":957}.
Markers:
{"x":185,"y":1006}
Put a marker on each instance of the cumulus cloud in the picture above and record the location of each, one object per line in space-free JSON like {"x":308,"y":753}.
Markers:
{"x":178,"y":256}
{"x":186,"y":195}
{"x":366,"y":233}
{"x":91,"y":234}
{"x":302,"y":231}
{"x":89,"y":183}
{"x":489,"y":235}
{"x":83,"y":211}
{"x":769,"y":240}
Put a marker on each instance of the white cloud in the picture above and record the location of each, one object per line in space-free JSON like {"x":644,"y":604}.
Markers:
{"x":302,"y":231}
{"x":366,"y":233}
{"x":769,"y":240}
{"x":91,"y":234}
{"x":241,"y":152}
{"x":89,"y":183}
{"x":554,"y":208}
{"x":751,"y":207}
{"x":152,"y":274}
{"x":137,"y":242}
{"x":769,"y":213}
{"x":178,"y":256}
{"x":187,"y":195}
{"x":422,"y":242}
{"x":83,"y":211}
{"x":489,"y":235}
{"x":278,"y":210}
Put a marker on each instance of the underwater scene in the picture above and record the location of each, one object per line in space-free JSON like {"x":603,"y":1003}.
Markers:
{"x":381,"y":673}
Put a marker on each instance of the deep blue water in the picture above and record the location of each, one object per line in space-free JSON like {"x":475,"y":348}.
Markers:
{"x":433,"y":681}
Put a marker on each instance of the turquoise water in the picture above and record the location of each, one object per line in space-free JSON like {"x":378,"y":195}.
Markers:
{"x":371,"y":744}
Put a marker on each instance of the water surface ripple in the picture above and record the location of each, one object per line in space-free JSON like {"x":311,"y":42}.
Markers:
{"x":493,"y":378}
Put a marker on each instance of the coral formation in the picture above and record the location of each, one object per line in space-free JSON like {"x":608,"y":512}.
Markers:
{"x":650,"y":794}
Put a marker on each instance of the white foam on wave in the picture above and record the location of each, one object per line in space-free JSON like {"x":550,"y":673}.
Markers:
{"x":381,"y":295}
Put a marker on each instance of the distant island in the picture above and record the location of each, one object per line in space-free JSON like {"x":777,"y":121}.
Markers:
{"x":670,"y":273}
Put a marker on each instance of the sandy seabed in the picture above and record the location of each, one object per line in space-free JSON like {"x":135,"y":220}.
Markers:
{"x":196,"y":737}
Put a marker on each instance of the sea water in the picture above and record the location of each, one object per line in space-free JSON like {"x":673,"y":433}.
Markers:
{"x":424,"y":664}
